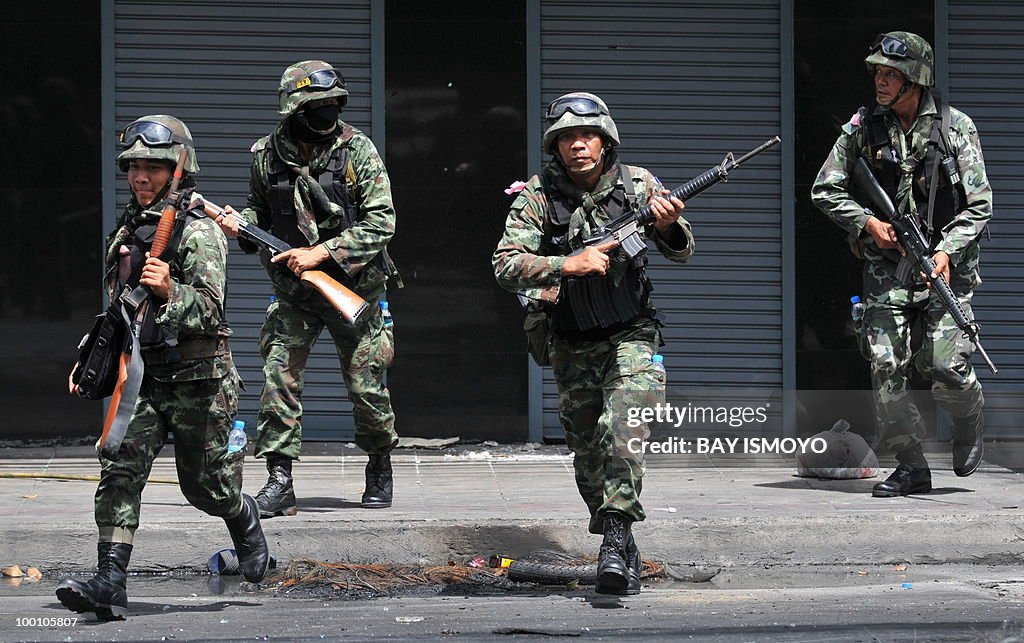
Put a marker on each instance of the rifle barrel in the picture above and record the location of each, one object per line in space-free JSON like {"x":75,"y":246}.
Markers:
{"x":754,"y":152}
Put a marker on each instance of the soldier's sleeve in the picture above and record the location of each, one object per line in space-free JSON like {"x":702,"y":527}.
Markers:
{"x":647,"y":185}
{"x":257,"y":209}
{"x":517,"y":266}
{"x":195,"y":304}
{"x":831,"y":190}
{"x":967,"y":225}
{"x":357,"y":246}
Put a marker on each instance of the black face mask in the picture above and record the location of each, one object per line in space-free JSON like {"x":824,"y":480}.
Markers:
{"x":315,"y":125}
{"x":322,"y":119}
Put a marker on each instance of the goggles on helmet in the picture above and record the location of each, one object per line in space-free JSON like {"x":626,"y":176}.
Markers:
{"x":577,"y":105}
{"x":152,"y":134}
{"x":891,"y":47}
{"x":322,"y":79}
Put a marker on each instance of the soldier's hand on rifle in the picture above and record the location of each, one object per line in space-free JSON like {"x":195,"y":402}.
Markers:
{"x":299,"y":260}
{"x":593,"y":259}
{"x":941,"y":260}
{"x":884,"y":234}
{"x":156,"y":275}
{"x":228,"y":223}
{"x":666,"y":211}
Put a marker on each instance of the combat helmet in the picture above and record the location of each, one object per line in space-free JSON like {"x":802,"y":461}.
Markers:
{"x":157,"y":137}
{"x":909,"y":53}
{"x":579,"y":109}
{"x":310,"y":80}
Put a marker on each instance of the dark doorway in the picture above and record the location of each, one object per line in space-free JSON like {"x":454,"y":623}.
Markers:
{"x":456,"y":136}
{"x":831,"y":42}
{"x":50,"y":198}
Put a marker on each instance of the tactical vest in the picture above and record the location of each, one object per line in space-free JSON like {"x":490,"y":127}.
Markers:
{"x":937,"y":189}
{"x":596,"y":306}
{"x":160,"y":345}
{"x":337,"y":180}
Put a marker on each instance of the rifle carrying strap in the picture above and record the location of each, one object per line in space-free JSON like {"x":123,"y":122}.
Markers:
{"x":939,"y":145}
{"x":116,"y":424}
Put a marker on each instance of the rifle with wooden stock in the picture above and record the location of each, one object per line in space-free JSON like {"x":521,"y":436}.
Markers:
{"x":135,"y":304}
{"x":346,"y":302}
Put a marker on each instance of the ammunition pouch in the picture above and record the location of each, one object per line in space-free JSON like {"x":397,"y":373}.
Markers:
{"x":603,"y":301}
{"x":537,"y":326}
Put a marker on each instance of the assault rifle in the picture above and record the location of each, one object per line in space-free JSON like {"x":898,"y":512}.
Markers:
{"x":914,"y":242}
{"x":626,"y":230}
{"x":346,"y":302}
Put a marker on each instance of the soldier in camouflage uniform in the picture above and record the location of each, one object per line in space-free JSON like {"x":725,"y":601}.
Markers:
{"x":920,"y":150}
{"x":603,"y":367}
{"x":189,"y":389}
{"x":319,"y":184}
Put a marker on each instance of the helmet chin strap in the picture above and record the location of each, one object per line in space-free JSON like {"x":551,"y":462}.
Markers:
{"x":903,"y":90}
{"x":161,"y":193}
{"x":600,"y":159}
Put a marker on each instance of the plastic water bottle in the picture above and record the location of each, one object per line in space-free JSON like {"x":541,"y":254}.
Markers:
{"x":385,"y":312}
{"x":659,"y":363}
{"x":656,"y":396}
{"x":237,"y":439}
{"x":856,"y":309}
{"x":857,"y":318}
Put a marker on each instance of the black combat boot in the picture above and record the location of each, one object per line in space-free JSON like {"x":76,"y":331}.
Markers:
{"x":904,"y":481}
{"x":635,"y":564}
{"x":635,"y":567}
{"x":911,"y":476}
{"x":968,"y":444}
{"x":250,"y":543}
{"x":277,"y":497}
{"x":612,"y":568}
{"x":106,"y":593}
{"x":379,"y":482}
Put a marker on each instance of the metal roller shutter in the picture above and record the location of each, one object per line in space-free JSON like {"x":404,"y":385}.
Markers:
{"x":217,"y":68}
{"x":687,"y":82}
{"x":986,"y":80}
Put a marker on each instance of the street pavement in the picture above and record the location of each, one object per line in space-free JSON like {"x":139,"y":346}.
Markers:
{"x":722,"y":511}
{"x":796,"y":559}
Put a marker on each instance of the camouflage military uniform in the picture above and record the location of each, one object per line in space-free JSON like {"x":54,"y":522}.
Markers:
{"x":598,"y":381}
{"x":189,"y":384}
{"x":194,"y":399}
{"x":892,"y":305}
{"x":296,"y":318}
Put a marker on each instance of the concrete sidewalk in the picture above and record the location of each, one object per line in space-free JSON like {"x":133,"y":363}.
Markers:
{"x":453,"y":504}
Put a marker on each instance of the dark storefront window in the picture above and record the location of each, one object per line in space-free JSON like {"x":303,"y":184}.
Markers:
{"x":831,"y":41}
{"x":456,"y":136}
{"x":50,"y":204}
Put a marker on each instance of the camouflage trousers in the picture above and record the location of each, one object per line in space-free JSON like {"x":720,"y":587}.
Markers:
{"x":199,"y":414}
{"x":892,"y":311}
{"x":598,"y":382}
{"x":365,"y":349}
